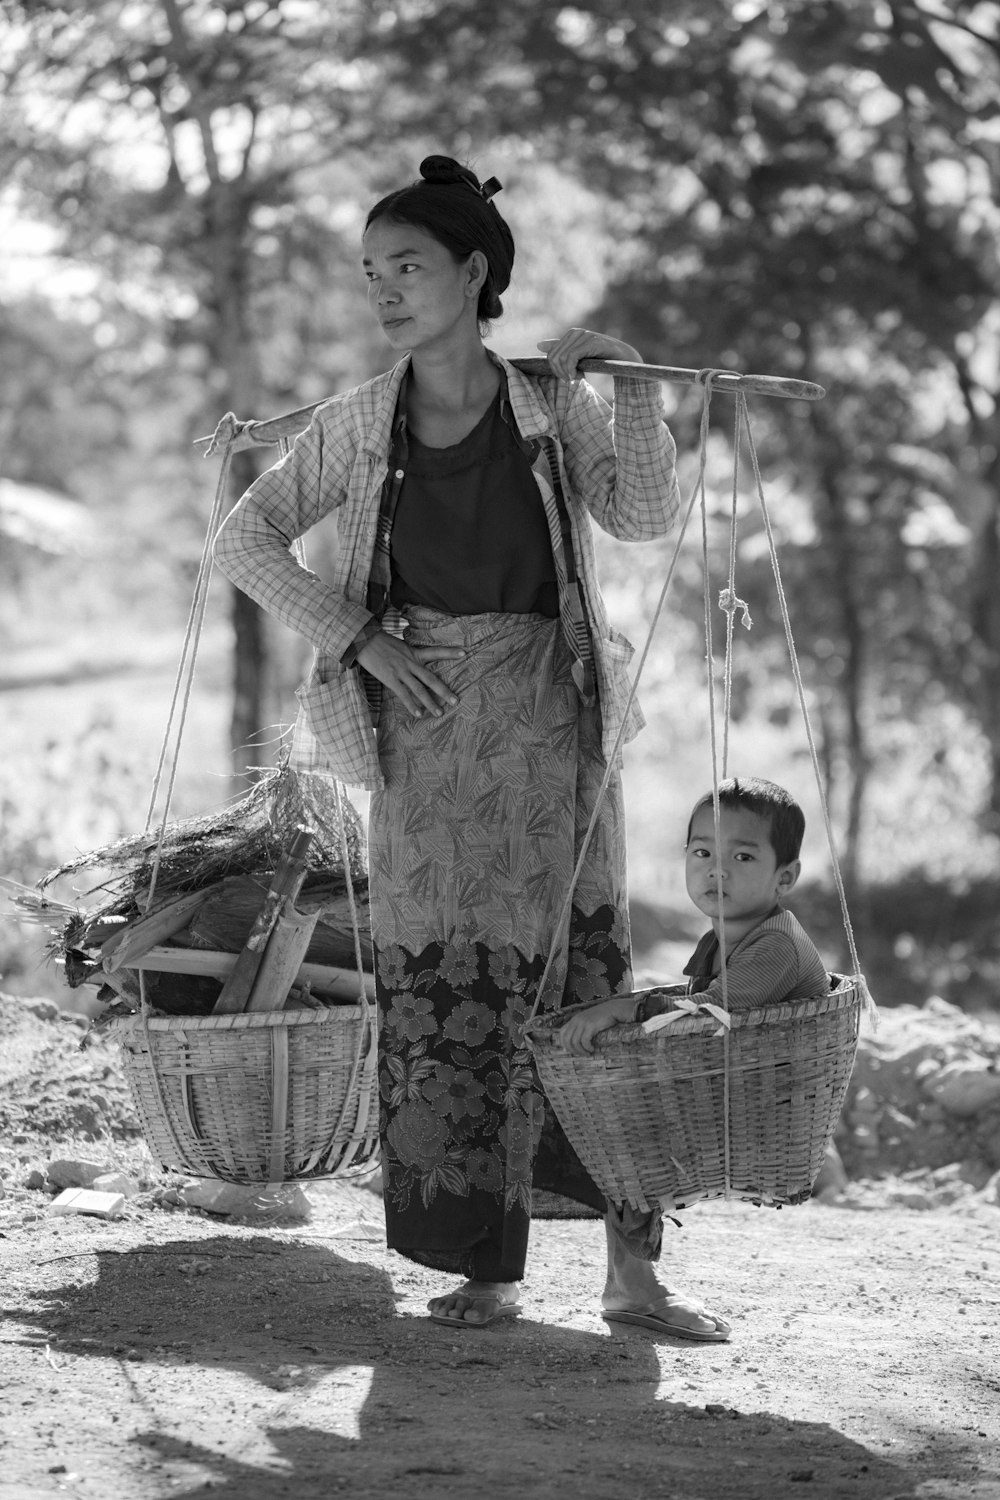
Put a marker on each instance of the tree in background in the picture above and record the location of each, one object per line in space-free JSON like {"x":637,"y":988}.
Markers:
{"x":810,"y":187}
{"x":192,"y":152}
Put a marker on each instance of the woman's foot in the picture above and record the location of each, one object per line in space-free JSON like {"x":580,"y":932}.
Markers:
{"x":633,"y":1295}
{"x":670,"y":1313}
{"x":477,"y":1304}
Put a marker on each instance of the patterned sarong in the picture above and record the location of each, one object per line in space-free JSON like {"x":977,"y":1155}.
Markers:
{"x":472,"y":847}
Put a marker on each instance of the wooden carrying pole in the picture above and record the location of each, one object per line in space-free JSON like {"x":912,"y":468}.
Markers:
{"x":256,"y":434}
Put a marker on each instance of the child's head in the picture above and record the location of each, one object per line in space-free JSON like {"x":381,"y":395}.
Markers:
{"x":769,"y":801}
{"x":756,"y":856}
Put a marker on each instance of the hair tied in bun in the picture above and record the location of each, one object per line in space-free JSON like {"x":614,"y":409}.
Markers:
{"x":444,"y":171}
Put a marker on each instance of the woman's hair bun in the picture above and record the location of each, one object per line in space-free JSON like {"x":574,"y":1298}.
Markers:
{"x":444,"y":170}
{"x":462,"y":222}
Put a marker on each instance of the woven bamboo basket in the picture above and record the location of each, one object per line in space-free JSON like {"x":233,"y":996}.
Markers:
{"x":271,"y":1096}
{"x":648,"y":1113}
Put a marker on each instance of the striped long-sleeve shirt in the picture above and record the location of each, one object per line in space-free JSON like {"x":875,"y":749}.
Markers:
{"x":777,"y":960}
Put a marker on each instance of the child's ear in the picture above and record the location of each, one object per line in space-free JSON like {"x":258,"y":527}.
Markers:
{"x":788,"y":875}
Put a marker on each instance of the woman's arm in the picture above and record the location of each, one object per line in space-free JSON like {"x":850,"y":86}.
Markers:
{"x":620,"y":462}
{"x":252,"y":544}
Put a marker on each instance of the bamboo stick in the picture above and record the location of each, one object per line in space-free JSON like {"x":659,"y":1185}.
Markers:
{"x":286,"y":948}
{"x":285,"y":886}
{"x":322,"y":979}
{"x":273,"y":429}
{"x":135,"y":938}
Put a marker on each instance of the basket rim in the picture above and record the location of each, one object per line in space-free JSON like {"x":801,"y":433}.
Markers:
{"x":242,"y":1021}
{"x":846,"y":992}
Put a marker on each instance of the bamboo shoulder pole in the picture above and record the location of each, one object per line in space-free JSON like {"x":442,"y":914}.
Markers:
{"x":272,"y":430}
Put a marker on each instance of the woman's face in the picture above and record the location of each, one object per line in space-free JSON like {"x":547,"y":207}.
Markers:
{"x":422,"y":296}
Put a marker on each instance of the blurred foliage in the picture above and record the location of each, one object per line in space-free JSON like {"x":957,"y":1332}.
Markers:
{"x":808,"y":187}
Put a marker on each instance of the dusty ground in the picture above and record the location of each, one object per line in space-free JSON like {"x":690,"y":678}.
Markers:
{"x":170,"y":1353}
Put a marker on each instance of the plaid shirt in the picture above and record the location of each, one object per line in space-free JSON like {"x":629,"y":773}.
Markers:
{"x":616,"y":467}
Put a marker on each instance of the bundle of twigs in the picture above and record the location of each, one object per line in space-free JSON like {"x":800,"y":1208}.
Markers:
{"x":180,"y":902}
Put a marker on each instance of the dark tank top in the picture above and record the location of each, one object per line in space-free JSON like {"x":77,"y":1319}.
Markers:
{"x":470,"y":535}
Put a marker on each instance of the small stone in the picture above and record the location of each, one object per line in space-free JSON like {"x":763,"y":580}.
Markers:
{"x":69,"y":1173}
{"x":45,"y":1010}
{"x":965,"y":1090}
{"x":115,"y":1182}
{"x":83,"y":1201}
{"x":262,"y":1200}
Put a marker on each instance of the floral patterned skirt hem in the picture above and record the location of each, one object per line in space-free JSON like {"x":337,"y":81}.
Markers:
{"x":473,"y":844}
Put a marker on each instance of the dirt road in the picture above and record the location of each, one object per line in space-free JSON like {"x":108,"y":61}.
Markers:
{"x":169,"y":1354}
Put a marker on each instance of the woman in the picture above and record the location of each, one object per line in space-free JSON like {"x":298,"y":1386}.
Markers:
{"x":465,"y":671}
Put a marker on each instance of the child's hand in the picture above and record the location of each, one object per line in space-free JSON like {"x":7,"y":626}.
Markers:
{"x":577,"y":1034}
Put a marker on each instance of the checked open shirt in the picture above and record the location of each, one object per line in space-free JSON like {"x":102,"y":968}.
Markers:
{"x":616,"y":467}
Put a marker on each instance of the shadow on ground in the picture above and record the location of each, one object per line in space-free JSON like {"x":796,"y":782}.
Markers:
{"x":253,"y":1370}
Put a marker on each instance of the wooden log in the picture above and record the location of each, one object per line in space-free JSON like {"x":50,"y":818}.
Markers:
{"x":225,"y":920}
{"x":286,"y":949}
{"x":285,"y":886}
{"x":125,"y":984}
{"x":322,"y":979}
{"x":136,"y":938}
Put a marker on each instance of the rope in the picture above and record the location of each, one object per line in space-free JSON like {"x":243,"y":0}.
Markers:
{"x":871,"y":1010}
{"x":365,"y":1030}
{"x":698,"y":488}
{"x":730,"y":603}
{"x":225,"y":436}
{"x":728,"y":600}
{"x":713,"y":742}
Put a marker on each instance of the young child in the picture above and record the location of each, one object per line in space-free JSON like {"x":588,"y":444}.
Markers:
{"x":769,"y":957}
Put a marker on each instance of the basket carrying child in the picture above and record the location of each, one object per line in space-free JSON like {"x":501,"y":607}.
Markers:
{"x":738,"y":879}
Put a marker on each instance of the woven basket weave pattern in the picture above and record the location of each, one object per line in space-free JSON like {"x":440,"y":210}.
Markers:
{"x":646,"y":1113}
{"x":267,"y":1097}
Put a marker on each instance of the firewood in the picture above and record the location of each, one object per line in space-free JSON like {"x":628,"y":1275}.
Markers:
{"x":285,"y":886}
{"x":323,"y":979}
{"x":135,"y":939}
{"x":286,"y":948}
{"x":224,"y":922}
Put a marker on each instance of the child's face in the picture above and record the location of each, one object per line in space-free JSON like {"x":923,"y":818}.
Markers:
{"x":752,"y":879}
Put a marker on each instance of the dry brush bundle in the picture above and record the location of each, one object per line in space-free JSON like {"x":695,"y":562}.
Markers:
{"x":178,"y":904}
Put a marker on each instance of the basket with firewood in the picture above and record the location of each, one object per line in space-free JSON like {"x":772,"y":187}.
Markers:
{"x":232,"y":958}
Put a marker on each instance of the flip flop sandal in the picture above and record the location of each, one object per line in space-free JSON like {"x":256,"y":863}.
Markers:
{"x":503,"y":1310}
{"x":641,"y":1318}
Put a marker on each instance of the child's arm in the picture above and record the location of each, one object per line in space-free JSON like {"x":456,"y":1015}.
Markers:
{"x":763,"y":972}
{"x":578,"y":1032}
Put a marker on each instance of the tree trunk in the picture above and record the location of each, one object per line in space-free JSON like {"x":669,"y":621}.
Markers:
{"x":844,"y":579}
{"x":984,"y":604}
{"x":250,"y":662}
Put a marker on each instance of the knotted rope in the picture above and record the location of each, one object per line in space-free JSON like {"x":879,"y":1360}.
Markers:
{"x":731,"y":604}
{"x":562,"y":922}
{"x":230,"y":435}
{"x":225,"y":436}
